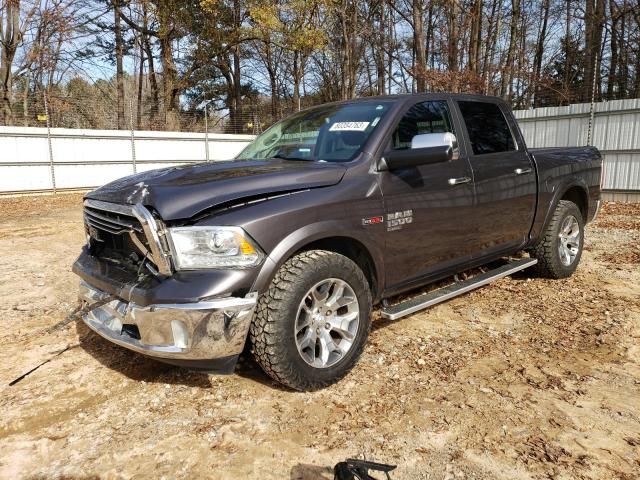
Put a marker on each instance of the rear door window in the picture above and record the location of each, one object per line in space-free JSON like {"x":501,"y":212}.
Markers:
{"x":488,"y":129}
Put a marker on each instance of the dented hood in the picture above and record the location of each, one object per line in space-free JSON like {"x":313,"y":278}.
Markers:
{"x":182,"y":192}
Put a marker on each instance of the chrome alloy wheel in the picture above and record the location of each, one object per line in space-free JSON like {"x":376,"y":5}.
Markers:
{"x":569,"y":244}
{"x":327,"y":322}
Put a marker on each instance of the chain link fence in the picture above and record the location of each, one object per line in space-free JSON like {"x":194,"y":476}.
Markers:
{"x":102,"y":112}
{"x":96,"y":115}
{"x":81,"y":105}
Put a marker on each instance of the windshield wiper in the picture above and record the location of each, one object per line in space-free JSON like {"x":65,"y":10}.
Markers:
{"x":300,"y":159}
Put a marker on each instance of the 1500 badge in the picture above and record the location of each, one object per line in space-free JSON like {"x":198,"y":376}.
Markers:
{"x":396,"y":220}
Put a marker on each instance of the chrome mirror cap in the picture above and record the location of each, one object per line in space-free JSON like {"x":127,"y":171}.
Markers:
{"x":428,"y":140}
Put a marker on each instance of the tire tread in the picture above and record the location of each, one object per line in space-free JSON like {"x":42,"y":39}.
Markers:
{"x":266,"y":343}
{"x":548,"y":265}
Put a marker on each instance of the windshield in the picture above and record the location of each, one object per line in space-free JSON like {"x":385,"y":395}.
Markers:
{"x":332,"y":133}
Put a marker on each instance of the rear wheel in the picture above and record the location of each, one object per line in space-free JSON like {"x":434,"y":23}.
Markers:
{"x":312,"y":323}
{"x":560,"y":249}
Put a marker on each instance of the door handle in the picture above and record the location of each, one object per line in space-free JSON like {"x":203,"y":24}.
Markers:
{"x":522,"y":171}
{"x":458,"y":181}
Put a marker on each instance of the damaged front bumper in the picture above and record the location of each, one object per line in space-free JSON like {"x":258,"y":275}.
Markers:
{"x":209,"y":334}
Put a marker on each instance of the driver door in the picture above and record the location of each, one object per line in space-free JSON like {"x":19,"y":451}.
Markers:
{"x":428,"y":208}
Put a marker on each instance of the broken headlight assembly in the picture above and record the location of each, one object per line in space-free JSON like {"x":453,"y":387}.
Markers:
{"x":213,"y":247}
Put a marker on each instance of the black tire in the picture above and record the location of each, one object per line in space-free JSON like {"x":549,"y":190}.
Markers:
{"x":550,"y":264}
{"x":272,"y":332}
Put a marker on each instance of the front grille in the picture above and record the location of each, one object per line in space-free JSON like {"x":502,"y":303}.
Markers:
{"x":125,"y":234}
{"x":111,"y":241}
{"x":111,"y":222}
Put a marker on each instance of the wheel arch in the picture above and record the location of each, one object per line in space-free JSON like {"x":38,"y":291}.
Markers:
{"x":331,"y":237}
{"x":352,"y":249}
{"x":574,"y":189}
{"x":579,"y":195}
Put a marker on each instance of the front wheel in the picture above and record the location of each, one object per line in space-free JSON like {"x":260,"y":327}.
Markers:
{"x":312,"y":324}
{"x":559,"y":250}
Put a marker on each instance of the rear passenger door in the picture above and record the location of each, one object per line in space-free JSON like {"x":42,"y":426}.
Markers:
{"x":503,"y":174}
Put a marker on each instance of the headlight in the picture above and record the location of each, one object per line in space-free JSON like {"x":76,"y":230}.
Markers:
{"x":212,"y":247}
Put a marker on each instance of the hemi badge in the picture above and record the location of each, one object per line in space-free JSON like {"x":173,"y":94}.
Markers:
{"x":372,"y":220}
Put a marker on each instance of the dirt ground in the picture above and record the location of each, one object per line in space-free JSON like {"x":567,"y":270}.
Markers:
{"x":525,"y":378}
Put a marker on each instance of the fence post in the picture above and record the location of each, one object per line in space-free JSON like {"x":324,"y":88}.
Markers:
{"x":592,"y":107}
{"x":206,"y":131}
{"x":51,"y":166}
{"x":133,"y":141}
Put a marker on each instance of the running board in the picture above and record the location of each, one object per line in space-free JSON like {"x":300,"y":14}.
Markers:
{"x":402,"y":309}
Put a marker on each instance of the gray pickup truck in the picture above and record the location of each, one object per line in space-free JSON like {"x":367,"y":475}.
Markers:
{"x":286,"y":249}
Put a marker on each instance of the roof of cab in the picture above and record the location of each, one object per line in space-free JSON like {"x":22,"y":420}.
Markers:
{"x":407,"y":96}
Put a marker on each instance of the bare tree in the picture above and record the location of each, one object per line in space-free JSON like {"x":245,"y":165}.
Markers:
{"x":506,"y":88}
{"x":119,"y":54}
{"x":11,"y":34}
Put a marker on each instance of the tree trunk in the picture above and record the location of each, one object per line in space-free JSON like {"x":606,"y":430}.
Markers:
{"x":452,"y":50}
{"x":429,"y":50}
{"x":537,"y":61}
{"x":508,"y":67}
{"x":568,"y":58}
{"x":354,"y":50}
{"x":151,"y":73}
{"x":296,"y":80}
{"x":346,"y":47}
{"x":613,"y":64}
{"x":140,"y":83}
{"x":25,"y":98}
{"x":10,"y":38}
{"x":419,"y":46}
{"x":237,"y":89}
{"x":520,"y":84}
{"x":237,"y":81}
{"x":623,"y":70}
{"x":594,"y":19}
{"x":390,"y":46}
{"x":379,"y":50}
{"x":119,"y":51}
{"x":636,"y":88}
{"x":273,"y":79}
{"x":488,"y":51}
{"x":589,"y":59}
{"x":490,"y":73}
{"x":169,"y":83}
{"x":475,"y":36}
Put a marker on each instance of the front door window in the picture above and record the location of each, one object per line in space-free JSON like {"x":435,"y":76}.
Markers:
{"x":424,"y":117}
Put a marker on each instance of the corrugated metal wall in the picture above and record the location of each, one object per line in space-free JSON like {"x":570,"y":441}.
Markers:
{"x":30,"y":160}
{"x":88,"y":158}
{"x":615,"y":131}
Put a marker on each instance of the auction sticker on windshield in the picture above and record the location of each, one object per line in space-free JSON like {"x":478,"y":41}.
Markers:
{"x":349,"y":127}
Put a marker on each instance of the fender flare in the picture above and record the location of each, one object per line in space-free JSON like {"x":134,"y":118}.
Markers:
{"x":307,"y":234}
{"x":561,"y":189}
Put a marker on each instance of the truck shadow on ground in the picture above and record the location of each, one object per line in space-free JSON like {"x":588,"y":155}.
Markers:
{"x":378,"y":322}
{"x":140,"y":368}
{"x":134,"y":366}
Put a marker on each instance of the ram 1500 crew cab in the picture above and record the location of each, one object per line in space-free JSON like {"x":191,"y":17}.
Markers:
{"x":327,"y":213}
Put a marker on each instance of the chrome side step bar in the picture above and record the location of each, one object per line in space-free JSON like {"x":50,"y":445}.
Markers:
{"x":402,"y":309}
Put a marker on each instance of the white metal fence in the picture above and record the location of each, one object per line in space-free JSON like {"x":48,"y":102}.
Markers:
{"x":613,"y":127}
{"x":35,"y":159}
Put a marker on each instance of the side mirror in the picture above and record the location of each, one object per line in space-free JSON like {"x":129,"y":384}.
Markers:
{"x":425,"y":149}
{"x":427,"y":140}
